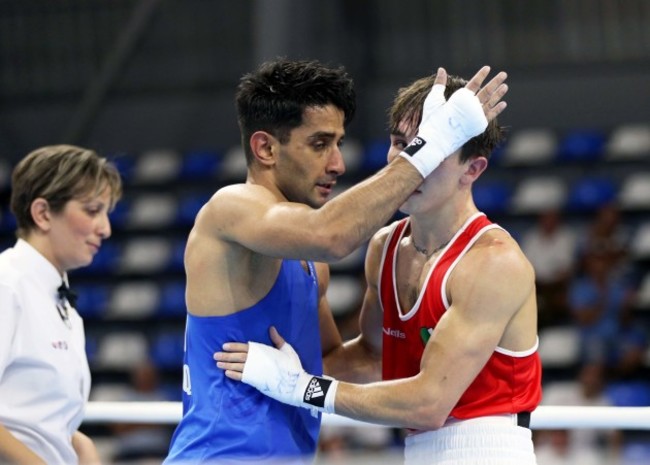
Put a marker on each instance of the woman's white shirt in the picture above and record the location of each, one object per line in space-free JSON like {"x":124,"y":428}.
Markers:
{"x":44,"y":374}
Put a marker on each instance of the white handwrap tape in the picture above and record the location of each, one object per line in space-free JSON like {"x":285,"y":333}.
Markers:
{"x":279,"y":375}
{"x":445,"y":127}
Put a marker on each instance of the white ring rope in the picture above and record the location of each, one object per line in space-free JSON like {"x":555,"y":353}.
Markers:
{"x":545,"y":417}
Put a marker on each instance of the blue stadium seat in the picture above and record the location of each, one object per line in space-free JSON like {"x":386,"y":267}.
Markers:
{"x":582,"y":146}
{"x":492,"y":197}
{"x":498,"y":154}
{"x":93,"y":300}
{"x":92,"y":348}
{"x":177,"y":258}
{"x":590,"y":193}
{"x":375,"y":155}
{"x":200,"y":164}
{"x":106,"y":260}
{"x":125,"y":163}
{"x":7,"y":221}
{"x":172,"y":300}
{"x":189,"y":206}
{"x":120,"y":215}
{"x":6,"y":243}
{"x":167,"y":349}
{"x":629,"y":393}
{"x":636,"y":452}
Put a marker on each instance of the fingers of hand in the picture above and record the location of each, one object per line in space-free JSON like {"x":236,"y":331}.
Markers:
{"x":441,"y":77}
{"x":236,"y":375}
{"x":493,"y":87}
{"x":495,"y":111}
{"x":231,"y":366}
{"x":435,"y":99}
{"x":232,"y":363}
{"x":275,"y":337}
{"x":493,"y":99}
{"x":235,"y":347}
{"x":239,"y":357}
{"x":491,"y":94}
{"x":474,"y":84}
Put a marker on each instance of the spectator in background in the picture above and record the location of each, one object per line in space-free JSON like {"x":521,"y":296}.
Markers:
{"x":603,"y":299}
{"x":61,"y":196}
{"x":583,"y":446}
{"x":599,"y":297}
{"x":550,"y":245}
{"x":607,"y":235}
{"x":628,"y":359}
{"x":142,"y":443}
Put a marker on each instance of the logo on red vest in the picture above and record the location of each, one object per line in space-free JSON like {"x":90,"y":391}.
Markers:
{"x":394,"y":333}
{"x":425,"y":334}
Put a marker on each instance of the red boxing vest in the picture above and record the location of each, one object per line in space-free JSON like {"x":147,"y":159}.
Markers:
{"x":510,"y":382}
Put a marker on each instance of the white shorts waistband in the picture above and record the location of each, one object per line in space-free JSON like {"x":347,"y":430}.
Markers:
{"x":490,"y":440}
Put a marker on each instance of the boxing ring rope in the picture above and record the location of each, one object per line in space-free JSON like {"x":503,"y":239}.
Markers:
{"x":545,"y":417}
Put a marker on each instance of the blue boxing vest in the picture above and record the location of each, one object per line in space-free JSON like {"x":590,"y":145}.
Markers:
{"x":226,"y":421}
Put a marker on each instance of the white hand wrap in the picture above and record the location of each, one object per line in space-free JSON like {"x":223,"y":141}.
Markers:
{"x":445,"y":127}
{"x":279,"y":375}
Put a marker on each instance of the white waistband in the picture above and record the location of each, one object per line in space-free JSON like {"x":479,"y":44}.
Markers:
{"x":505,"y":419}
{"x":502,"y":419}
{"x":494,"y":439}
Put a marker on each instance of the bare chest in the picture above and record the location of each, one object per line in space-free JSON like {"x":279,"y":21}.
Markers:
{"x":411,"y":275}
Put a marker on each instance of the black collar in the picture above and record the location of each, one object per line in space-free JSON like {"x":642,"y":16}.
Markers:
{"x":68,"y":294}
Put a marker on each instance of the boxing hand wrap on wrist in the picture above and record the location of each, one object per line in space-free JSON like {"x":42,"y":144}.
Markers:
{"x":278,"y":374}
{"x":320,"y":393}
{"x":444,"y":128}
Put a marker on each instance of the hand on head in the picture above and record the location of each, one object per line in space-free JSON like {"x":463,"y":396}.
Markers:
{"x":447,"y":125}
